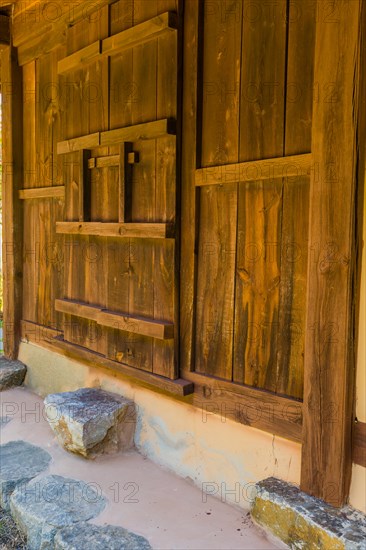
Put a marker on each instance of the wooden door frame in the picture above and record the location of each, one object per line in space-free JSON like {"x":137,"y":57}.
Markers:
{"x":340,"y":52}
{"x":12,"y":136}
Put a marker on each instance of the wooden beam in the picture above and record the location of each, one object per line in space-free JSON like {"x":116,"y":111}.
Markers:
{"x":85,"y":55}
{"x":146,"y":130}
{"x":102,"y":162}
{"x":140,"y":34}
{"x":4,"y":31}
{"x":38,"y":334}
{"x":57,"y":191}
{"x":125,"y":230}
{"x":12,"y":181}
{"x":250,"y":406}
{"x":32,"y":332}
{"x":136,"y":325}
{"x":359,"y":444}
{"x":77,"y":308}
{"x":294,"y":166}
{"x":329,"y":354}
{"x":76,"y":144}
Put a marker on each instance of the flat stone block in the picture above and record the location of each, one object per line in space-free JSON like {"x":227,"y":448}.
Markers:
{"x":86,"y":535}
{"x":91,"y":421}
{"x":12,"y":373}
{"x":48,"y":504}
{"x":303,"y":521}
{"x":19,"y":463}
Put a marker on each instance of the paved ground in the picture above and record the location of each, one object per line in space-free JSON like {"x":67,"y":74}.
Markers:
{"x":142,"y":497}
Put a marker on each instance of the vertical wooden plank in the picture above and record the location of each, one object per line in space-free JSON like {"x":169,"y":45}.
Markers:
{"x":188,"y":260}
{"x":125,"y":183}
{"x":218,"y":207}
{"x":260,"y":205}
{"x":12,"y":160}
{"x":84,"y":186}
{"x":329,"y":355}
{"x":295,"y":211}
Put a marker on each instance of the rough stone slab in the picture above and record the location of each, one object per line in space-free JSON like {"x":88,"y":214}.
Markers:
{"x":86,"y":535}
{"x":19,"y":463}
{"x":12,"y":373}
{"x":48,"y":504}
{"x":90,"y":421}
{"x":303,"y":521}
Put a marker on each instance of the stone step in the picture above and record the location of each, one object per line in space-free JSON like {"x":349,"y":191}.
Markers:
{"x":91,"y":421}
{"x":88,"y":536}
{"x":303,"y":521}
{"x":45,"y":505}
{"x":19,"y":463}
{"x":12,"y":373}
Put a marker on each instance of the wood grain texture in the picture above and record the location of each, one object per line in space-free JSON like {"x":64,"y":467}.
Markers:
{"x":143,"y":131}
{"x":124,"y":230}
{"x":329,"y":357}
{"x":42,"y":192}
{"x":85,"y":55}
{"x":359,"y":444}
{"x":12,"y":181}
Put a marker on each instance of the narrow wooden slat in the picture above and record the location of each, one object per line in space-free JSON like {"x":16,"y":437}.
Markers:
{"x":146,"y":130}
{"x":117,"y":321}
{"x":359,"y":444}
{"x":84,"y":186}
{"x":76,"y":144}
{"x":79,"y":309}
{"x":125,"y":183}
{"x":85,"y":55}
{"x":329,"y":340}
{"x":136,"y":325}
{"x":257,"y":170}
{"x":32,"y":332}
{"x":43,"y":192}
{"x":127,"y":230}
{"x":4,"y":30}
{"x":139,"y":34}
{"x":250,"y":406}
{"x":103,"y":162}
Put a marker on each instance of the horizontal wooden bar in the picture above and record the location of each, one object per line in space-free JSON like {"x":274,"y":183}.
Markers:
{"x":258,"y":170}
{"x":146,"y":130}
{"x":127,"y":230}
{"x":102,"y":162}
{"x":140,"y":34}
{"x":38,"y":334}
{"x":43,"y":192}
{"x":79,"y":309}
{"x":359,"y":444}
{"x":253,"y":407}
{"x":85,"y":55}
{"x":76,"y":144}
{"x":118,"y":321}
{"x":136,"y":325}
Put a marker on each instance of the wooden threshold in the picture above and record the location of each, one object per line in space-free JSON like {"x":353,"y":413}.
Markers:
{"x":43,"y":192}
{"x":254,"y":407}
{"x":359,"y":444}
{"x":126,"y":230}
{"x":34,"y":333}
{"x":118,"y":321}
{"x":259,"y":170}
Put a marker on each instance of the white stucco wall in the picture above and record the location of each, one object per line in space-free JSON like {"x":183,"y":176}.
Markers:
{"x":226,"y":458}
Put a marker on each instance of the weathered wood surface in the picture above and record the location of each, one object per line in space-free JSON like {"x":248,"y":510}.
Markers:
{"x":12,"y":176}
{"x":329,"y":357}
{"x":42,"y":192}
{"x":125,"y":230}
{"x":359,"y":444}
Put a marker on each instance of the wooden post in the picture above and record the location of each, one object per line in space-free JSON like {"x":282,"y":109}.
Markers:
{"x":329,"y":345}
{"x":12,"y":182}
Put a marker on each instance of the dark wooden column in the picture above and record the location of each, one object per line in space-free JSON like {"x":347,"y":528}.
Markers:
{"x":337,"y":149}
{"x":12,"y":154}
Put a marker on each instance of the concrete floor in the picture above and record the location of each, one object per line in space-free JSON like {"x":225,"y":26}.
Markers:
{"x":169,"y":511}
